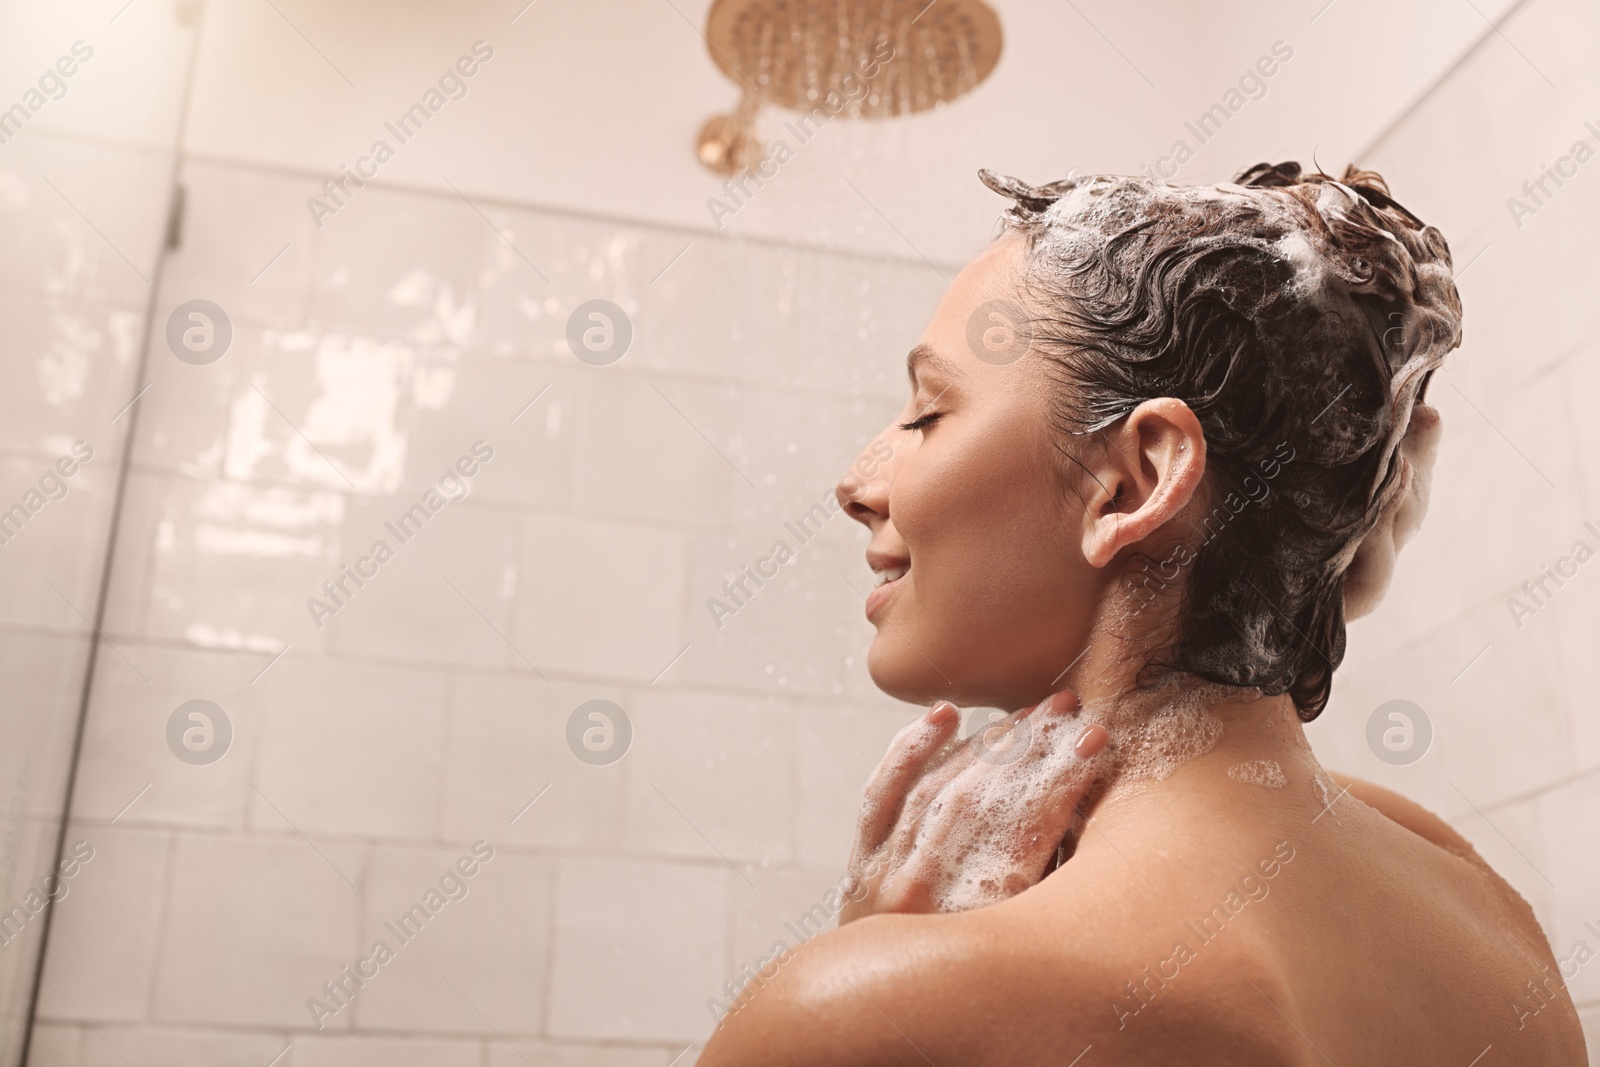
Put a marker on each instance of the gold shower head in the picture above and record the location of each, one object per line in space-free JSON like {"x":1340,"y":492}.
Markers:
{"x":859,"y":58}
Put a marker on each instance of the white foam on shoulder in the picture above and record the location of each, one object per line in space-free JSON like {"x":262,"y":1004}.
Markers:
{"x":1262,"y":772}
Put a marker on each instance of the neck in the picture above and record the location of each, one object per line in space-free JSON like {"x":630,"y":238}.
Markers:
{"x":1178,"y":732}
{"x":1252,"y":742}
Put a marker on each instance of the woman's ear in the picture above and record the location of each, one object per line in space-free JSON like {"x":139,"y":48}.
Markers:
{"x":1147,"y":471}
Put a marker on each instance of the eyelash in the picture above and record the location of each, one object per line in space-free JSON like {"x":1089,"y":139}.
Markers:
{"x":922,"y":423}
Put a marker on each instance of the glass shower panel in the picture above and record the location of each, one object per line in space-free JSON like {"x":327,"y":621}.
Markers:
{"x":90,"y":108}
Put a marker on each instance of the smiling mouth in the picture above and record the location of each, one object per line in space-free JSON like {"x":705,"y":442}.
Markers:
{"x":887,"y":577}
{"x":891,"y":574}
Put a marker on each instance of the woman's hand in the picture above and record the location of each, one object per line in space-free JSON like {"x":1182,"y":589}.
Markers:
{"x":949,"y":826}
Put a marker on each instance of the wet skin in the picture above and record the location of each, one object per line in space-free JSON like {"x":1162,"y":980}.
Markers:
{"x":1200,"y":919}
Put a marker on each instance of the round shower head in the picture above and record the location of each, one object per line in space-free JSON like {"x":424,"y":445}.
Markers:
{"x":860,"y":58}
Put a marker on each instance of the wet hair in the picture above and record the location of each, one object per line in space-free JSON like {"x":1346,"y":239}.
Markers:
{"x":1297,"y":315}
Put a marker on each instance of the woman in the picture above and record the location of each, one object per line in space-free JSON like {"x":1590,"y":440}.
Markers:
{"x":1160,"y":442}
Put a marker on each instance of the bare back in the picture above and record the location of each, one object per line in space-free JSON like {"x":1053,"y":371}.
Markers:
{"x":1205,"y":922}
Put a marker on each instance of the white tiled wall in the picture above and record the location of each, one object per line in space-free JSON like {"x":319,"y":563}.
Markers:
{"x":370,"y":752}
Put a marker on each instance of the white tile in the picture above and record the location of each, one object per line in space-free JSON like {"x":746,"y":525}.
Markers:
{"x":253,"y":928}
{"x":715,"y":307}
{"x":349,"y":749}
{"x":599,"y":597}
{"x":797,"y":445}
{"x":102,"y":951}
{"x":54,"y":532}
{"x":1522,"y":674}
{"x":307,"y":406}
{"x":55,"y":1045}
{"x":659,"y":450}
{"x":446,"y":594}
{"x":44,"y":675}
{"x":121,"y":192}
{"x":545,"y":267}
{"x":856,"y":321}
{"x":838,"y":747}
{"x":246,"y":245}
{"x":227,"y":565}
{"x":487,"y":937}
{"x":186,"y":420}
{"x":73,"y":372}
{"x":753,"y":313}
{"x":402,"y":264}
{"x":1468,"y":678}
{"x":180,"y":1047}
{"x":507,"y":746}
{"x":31,"y":855}
{"x":639,"y":949}
{"x":126,"y":748}
{"x":1576,"y":635}
{"x":357,"y":1051}
{"x":519,"y":1052}
{"x":526,"y":412}
{"x":322,"y":407}
{"x":133,"y":557}
{"x":1480,"y":450}
{"x":746,"y":608}
{"x":314,"y":406}
{"x":710,"y":776}
{"x":1372,"y":675}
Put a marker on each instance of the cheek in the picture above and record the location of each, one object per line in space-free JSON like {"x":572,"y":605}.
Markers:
{"x":988,"y":538}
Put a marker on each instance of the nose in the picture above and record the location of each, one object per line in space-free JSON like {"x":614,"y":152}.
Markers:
{"x":863,"y":490}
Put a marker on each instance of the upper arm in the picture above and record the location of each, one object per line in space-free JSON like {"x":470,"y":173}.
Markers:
{"x":906,"y":991}
{"x":839,"y":998}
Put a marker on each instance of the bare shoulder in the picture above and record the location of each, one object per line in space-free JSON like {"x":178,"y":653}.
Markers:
{"x":1464,"y":919}
{"x":1412,"y":816}
{"x":857,"y":994}
{"x":1409,"y":814}
{"x":977,"y":989}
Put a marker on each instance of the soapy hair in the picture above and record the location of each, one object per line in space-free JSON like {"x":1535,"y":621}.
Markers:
{"x":1294,"y":314}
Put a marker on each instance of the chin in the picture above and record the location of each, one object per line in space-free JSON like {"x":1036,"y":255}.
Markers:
{"x":1003,"y":674}
{"x":898,"y":670}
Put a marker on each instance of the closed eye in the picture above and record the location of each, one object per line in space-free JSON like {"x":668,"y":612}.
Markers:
{"x":923,"y":422}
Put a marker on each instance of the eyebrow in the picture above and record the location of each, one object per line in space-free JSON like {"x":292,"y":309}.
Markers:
{"x":924,"y":354}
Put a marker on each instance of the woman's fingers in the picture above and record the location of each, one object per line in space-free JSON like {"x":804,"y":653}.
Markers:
{"x":947,"y":827}
{"x":883,"y":798}
{"x":997,"y":824}
{"x":926,"y":792}
{"x":1070,"y":771}
{"x":994,"y":743}
{"x":1005,"y":821}
{"x":1091,"y":741}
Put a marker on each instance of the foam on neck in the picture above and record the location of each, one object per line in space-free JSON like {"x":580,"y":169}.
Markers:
{"x":1153,"y":732}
